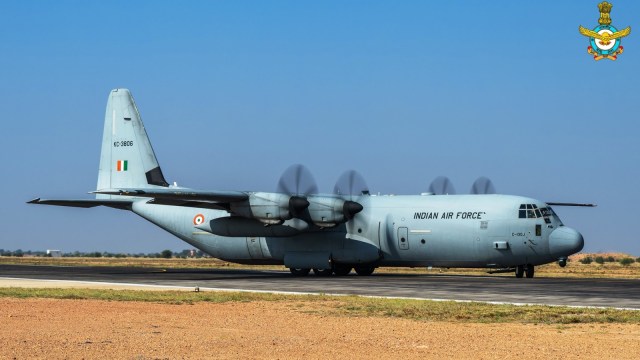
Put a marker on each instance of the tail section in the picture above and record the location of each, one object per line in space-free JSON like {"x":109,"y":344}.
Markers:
{"x":127,"y":159}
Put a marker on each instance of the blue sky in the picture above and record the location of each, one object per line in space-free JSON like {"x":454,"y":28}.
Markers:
{"x":234,"y":92}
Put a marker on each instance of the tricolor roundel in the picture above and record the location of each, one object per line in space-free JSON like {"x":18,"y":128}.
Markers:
{"x":198,"y":219}
{"x":122,"y":165}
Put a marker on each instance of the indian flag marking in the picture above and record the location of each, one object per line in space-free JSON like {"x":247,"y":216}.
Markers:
{"x":122,"y":165}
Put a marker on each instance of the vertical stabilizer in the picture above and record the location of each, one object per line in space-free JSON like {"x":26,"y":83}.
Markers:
{"x":127,"y":159}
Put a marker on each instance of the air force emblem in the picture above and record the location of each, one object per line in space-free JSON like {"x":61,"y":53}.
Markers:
{"x":605,"y":38}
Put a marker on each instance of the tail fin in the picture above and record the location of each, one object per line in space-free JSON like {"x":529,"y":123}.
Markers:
{"x":127,"y":159}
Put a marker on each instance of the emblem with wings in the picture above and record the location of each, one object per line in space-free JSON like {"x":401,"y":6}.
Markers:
{"x":605,"y":35}
{"x":604,"y":38}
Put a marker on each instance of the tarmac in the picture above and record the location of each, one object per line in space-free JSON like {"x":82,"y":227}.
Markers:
{"x":605,"y":293}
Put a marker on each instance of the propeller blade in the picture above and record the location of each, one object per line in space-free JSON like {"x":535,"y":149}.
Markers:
{"x":297,"y":180}
{"x":442,"y":186}
{"x":482,"y":186}
{"x":350,"y":183}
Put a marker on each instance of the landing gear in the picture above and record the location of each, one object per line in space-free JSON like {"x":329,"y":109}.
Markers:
{"x":519,"y":271}
{"x":364,"y":270}
{"x":299,"y":272}
{"x":338,"y":270}
{"x":524,"y":270}
{"x":341,"y":270}
{"x":528,"y":270}
{"x":323,"y":272}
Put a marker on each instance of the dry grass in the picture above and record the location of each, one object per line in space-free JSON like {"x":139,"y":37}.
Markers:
{"x":354,"y":306}
{"x":574,"y":268}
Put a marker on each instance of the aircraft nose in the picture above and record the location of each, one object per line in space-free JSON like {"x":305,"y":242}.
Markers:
{"x":565,"y":241}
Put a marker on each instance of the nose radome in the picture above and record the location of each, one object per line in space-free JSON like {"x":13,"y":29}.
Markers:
{"x":565,"y":241}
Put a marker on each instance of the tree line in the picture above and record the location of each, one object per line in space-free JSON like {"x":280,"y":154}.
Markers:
{"x":164,"y":254}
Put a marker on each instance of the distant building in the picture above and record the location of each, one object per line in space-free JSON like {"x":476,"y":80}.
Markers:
{"x":54,"y":253}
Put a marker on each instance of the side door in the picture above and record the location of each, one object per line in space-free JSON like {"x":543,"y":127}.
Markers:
{"x":403,"y":238}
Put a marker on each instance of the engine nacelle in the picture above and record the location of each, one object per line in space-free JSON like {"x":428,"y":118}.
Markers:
{"x":327,"y":211}
{"x":269,"y":208}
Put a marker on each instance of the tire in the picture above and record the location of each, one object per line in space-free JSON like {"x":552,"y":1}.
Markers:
{"x":364,"y":270}
{"x":519,"y":271}
{"x":299,"y":272}
{"x":342,"y":270}
{"x":323,"y":272}
{"x":529,"y":271}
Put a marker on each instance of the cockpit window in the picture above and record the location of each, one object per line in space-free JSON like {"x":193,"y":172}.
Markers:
{"x":549,"y":213}
{"x":531,"y":211}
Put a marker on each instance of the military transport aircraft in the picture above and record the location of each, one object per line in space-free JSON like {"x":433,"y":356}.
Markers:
{"x":330,"y":233}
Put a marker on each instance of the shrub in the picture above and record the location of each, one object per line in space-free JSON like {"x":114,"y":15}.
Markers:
{"x":626,"y":261}
{"x":611,"y":259}
{"x":600,"y":260}
{"x":166,"y":254}
{"x":586,"y":260}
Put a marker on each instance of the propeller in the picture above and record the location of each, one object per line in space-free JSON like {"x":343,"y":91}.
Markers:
{"x":298,"y":182}
{"x":442,"y":186}
{"x":351,"y":183}
{"x":483,"y":186}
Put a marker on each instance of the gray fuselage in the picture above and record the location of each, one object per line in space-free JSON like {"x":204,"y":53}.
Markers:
{"x":486,"y":231}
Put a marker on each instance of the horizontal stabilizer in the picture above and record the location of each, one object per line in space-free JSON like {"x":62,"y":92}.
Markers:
{"x":85,"y":203}
{"x":179,"y":194}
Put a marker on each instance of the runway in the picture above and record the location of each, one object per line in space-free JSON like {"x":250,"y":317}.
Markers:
{"x":546,"y":291}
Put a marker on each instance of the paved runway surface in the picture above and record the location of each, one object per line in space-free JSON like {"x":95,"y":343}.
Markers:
{"x":550,"y":291}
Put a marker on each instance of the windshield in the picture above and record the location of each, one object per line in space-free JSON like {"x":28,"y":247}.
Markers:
{"x":548,"y":212}
{"x":532,"y":211}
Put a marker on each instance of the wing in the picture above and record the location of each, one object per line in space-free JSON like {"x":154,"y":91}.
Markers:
{"x":590,"y":33}
{"x":177,"y":196}
{"x":218,"y":200}
{"x":621,"y":33}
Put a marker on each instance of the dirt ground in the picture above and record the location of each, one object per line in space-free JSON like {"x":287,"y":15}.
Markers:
{"x":92,"y":329}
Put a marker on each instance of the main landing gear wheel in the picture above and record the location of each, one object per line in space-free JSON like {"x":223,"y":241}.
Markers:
{"x":323,"y":272}
{"x":364,"y":270}
{"x":519,"y":271}
{"x":341,"y":270}
{"x":529,"y":270}
{"x":299,"y":272}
